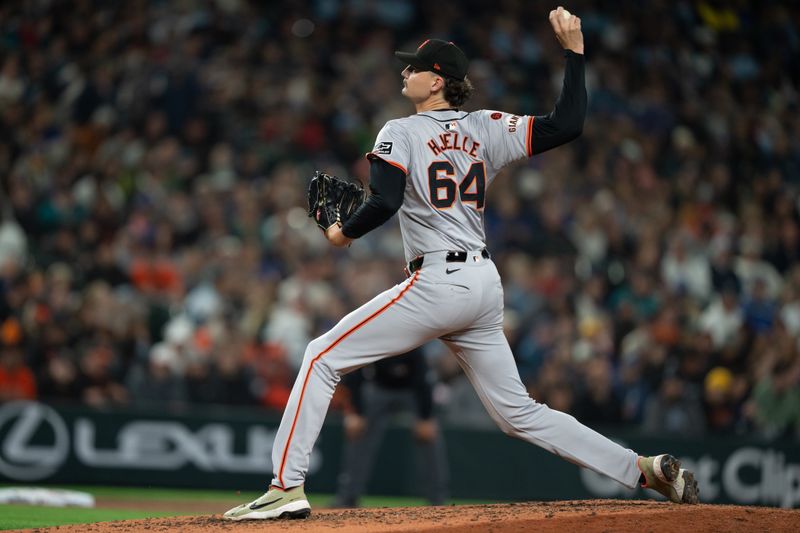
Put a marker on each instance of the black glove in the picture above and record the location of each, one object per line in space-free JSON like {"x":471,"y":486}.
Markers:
{"x":332,"y":200}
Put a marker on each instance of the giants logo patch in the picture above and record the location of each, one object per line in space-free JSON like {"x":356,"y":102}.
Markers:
{"x":383,"y":148}
{"x":496,"y":116}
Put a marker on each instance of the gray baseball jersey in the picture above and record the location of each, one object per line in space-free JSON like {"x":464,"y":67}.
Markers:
{"x":450,"y":159}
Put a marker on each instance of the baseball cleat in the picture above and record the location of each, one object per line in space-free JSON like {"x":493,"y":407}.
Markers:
{"x":663,"y":474}
{"x":275,"y":503}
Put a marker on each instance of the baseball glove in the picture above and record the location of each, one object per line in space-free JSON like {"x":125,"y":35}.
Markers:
{"x":332,"y":199}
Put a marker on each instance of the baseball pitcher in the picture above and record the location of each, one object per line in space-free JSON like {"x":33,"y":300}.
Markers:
{"x":433,"y":168}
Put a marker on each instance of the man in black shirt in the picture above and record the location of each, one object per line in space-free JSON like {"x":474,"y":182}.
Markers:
{"x":390,"y":386}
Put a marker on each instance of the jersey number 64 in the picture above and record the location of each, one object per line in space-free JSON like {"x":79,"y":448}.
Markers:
{"x":442,"y":184}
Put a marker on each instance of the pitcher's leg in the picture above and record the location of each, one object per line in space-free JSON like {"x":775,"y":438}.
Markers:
{"x":387,"y":325}
{"x":489,"y":365}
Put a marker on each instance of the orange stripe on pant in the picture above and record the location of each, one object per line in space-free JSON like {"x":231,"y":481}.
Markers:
{"x":323,"y":352}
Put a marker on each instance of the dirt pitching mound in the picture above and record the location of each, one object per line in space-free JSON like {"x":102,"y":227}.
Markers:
{"x":543,"y":517}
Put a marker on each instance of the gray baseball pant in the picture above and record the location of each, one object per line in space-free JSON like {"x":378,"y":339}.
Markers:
{"x":461,"y":303}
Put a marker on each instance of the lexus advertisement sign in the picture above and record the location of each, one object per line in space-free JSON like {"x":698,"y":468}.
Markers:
{"x":41,"y":443}
{"x":45,"y":444}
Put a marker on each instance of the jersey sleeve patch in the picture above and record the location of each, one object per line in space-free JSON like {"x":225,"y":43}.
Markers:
{"x":508,"y":137}
{"x":383,"y":148}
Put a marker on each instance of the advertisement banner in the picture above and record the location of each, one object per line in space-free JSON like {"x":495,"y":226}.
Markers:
{"x":230,"y":448}
{"x":216,"y":449}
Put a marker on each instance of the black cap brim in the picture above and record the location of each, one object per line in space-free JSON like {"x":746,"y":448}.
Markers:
{"x":411,"y":59}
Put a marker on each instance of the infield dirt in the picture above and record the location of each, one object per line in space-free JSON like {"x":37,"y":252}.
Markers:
{"x":543,"y":517}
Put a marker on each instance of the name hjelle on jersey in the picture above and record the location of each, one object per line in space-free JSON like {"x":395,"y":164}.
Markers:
{"x":452,"y":141}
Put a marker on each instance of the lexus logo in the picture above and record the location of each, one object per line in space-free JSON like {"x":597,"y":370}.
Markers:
{"x":22,"y":423}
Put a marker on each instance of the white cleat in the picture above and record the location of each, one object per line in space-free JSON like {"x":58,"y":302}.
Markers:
{"x":663,"y":473}
{"x":275,"y":503}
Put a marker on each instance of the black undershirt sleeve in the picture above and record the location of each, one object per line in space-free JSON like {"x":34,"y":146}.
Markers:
{"x":565,"y":122}
{"x":387,"y":185}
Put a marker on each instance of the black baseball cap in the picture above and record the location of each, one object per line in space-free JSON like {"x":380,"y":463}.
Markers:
{"x":442,"y":57}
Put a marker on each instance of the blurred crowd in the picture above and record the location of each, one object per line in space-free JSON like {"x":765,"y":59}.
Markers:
{"x":155,"y":249}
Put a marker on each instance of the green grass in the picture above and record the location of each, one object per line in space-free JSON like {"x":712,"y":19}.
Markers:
{"x":28,"y":516}
{"x":160,"y":494}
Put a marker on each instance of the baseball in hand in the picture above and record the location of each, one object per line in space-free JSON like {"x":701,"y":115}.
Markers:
{"x":565,"y":14}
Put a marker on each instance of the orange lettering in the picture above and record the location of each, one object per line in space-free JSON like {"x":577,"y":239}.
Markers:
{"x":434,"y":148}
{"x":475,"y":146}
